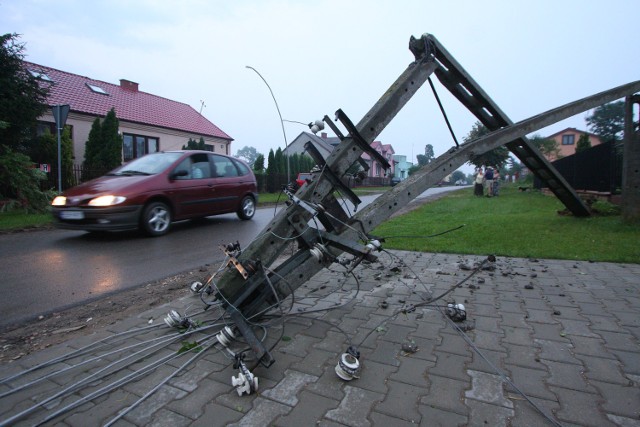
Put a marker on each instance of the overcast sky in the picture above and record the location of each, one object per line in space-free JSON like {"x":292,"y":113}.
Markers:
{"x":318,"y":56}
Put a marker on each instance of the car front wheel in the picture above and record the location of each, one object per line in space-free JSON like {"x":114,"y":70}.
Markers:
{"x":156,"y":219}
{"x":247,"y":208}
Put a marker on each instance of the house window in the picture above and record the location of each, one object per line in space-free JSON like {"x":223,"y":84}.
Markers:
{"x":134,"y":146}
{"x":97,"y":89}
{"x":568,"y":139}
{"x":40,"y":75}
{"x":209,"y":147}
{"x":43,"y":127}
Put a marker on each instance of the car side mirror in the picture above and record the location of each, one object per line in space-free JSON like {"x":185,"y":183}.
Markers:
{"x":177,"y":174}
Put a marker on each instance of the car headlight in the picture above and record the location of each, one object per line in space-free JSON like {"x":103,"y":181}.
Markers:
{"x":109,"y":200}
{"x":59,"y":201}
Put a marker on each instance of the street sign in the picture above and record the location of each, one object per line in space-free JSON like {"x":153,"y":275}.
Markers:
{"x":60,"y":113}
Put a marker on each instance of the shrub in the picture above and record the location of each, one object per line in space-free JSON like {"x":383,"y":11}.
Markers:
{"x":19,"y":181}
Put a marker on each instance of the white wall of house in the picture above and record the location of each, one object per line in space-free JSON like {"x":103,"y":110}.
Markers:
{"x":169,"y":139}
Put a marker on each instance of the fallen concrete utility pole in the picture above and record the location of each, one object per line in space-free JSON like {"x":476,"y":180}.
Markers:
{"x":250,"y":286}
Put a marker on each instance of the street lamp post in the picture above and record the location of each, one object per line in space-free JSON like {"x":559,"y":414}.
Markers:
{"x":286,"y":145}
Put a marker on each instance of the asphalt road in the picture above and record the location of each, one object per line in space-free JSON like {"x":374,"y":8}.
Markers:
{"x":45,"y":271}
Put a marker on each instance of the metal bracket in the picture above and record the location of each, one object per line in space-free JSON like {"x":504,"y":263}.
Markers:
{"x":330,"y":175}
{"x":362,"y":143}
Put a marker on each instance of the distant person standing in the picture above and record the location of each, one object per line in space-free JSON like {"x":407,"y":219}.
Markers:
{"x":488,"y":180}
{"x":479,"y":179}
{"x":496,"y":181}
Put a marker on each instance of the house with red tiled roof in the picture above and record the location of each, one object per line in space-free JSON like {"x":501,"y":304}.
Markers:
{"x":148,"y":123}
{"x":567,"y":140}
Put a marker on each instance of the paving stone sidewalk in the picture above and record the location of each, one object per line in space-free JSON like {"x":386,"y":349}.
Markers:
{"x":566,"y":333}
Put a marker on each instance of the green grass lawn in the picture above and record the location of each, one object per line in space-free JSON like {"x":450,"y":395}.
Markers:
{"x":15,"y":220}
{"x":518,"y":224}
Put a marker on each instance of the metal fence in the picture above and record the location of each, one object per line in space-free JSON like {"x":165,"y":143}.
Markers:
{"x":71,"y":177}
{"x":597,"y":169}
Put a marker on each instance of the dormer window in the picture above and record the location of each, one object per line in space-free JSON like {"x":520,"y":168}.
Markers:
{"x":97,"y":89}
{"x":40,"y":75}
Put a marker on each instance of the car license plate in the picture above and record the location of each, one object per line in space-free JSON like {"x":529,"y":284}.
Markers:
{"x":72,"y":215}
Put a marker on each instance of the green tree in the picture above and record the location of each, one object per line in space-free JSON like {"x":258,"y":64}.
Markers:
{"x":413,"y":169}
{"x":548,"y":147}
{"x":272,"y":170}
{"x":112,"y":140}
{"x":258,"y":164}
{"x":428,"y":153}
{"x":306,"y":163}
{"x":93,"y":145}
{"x":248,"y":154}
{"x":103,"y":149}
{"x":280,"y":161}
{"x":192,"y":144}
{"x":22,"y":100}
{"x":23,"y":97}
{"x":607,"y":121}
{"x":496,"y":157}
{"x":583,"y":143}
{"x":457,"y":176}
{"x":296,"y":164}
{"x":422,"y":159}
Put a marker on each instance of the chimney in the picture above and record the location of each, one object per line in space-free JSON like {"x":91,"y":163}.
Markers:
{"x":129,"y":85}
{"x":323,"y":135}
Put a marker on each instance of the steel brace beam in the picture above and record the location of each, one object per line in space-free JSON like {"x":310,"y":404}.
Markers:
{"x":294,"y":222}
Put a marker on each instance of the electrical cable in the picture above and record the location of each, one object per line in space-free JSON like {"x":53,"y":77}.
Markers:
{"x":85,"y":380}
{"x":275,"y":294}
{"x":455,"y":286}
{"x":292,"y":237}
{"x":122,"y":381}
{"x":363,"y":235}
{"x":75,"y":353}
{"x":320,"y":310}
{"x":375,"y":328}
{"x":163,"y":382}
{"x":84,"y":362}
{"x":162,"y":340}
{"x":275,"y":208}
{"x":466,"y":338}
{"x":499,"y":371}
{"x":423,"y":237}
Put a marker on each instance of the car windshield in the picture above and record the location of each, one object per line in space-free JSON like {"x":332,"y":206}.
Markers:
{"x":147,"y":165}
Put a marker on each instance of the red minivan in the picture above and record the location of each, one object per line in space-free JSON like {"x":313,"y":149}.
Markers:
{"x":154,"y":190}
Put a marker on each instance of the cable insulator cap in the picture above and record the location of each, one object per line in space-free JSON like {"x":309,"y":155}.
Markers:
{"x":348,"y":367}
